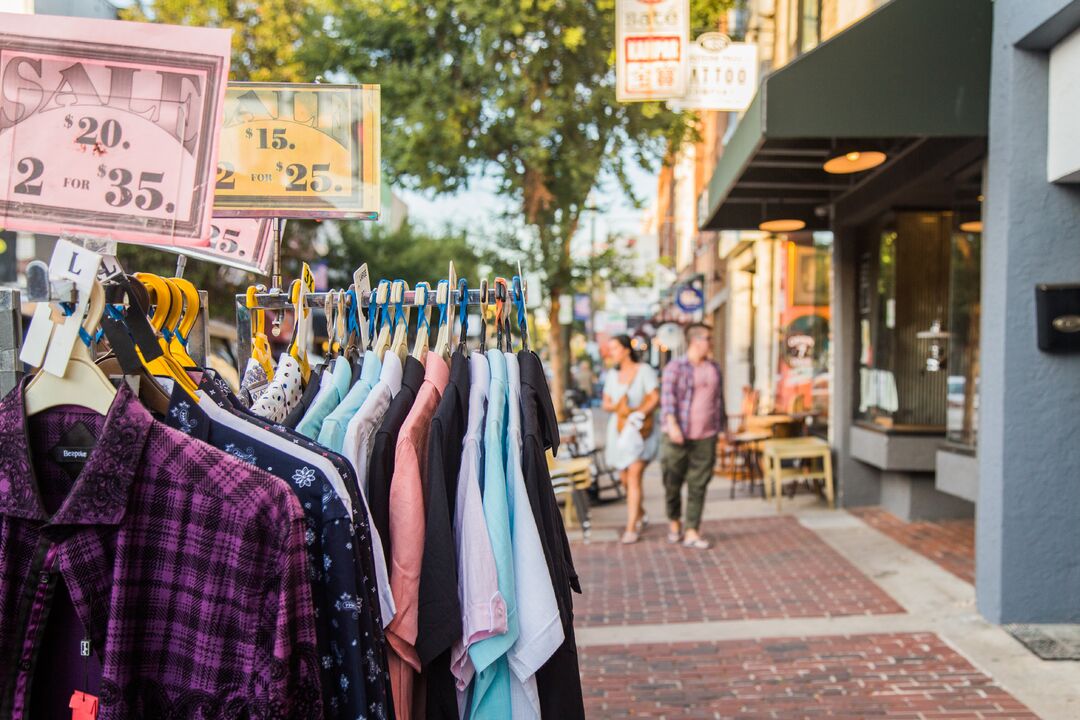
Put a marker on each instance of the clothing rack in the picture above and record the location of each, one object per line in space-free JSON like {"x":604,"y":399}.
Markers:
{"x":280,"y":301}
{"x":41,"y":288}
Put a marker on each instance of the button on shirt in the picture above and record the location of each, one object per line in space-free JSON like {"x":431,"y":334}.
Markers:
{"x":407,"y":520}
{"x":157,"y":533}
{"x":338,"y":387}
{"x":483,"y":609}
{"x":491,"y":688}
{"x":540,"y":631}
{"x":332,"y":434}
{"x":337,"y":593}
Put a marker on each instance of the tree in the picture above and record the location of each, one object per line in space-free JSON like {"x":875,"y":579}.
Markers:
{"x":522,"y":91}
{"x":410,"y":253}
{"x":268,"y":35}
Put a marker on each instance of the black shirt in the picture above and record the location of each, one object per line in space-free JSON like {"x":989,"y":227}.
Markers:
{"x":559,"y":680}
{"x":439,"y":608}
{"x":384,"y":447}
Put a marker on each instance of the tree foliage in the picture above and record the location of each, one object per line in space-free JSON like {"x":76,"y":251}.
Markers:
{"x":269,"y":36}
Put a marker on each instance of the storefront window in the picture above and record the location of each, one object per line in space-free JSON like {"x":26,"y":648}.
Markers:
{"x":903,"y":292}
{"x":962,"y":402}
{"x":803,"y":382}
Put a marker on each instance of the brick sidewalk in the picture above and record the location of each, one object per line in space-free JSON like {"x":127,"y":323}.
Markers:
{"x":757,"y":568}
{"x":913,"y":675}
{"x":949,"y":543}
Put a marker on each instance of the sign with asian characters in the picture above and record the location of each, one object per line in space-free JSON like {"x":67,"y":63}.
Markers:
{"x":723,"y":75}
{"x":109,"y":129}
{"x":652,"y":39}
{"x":242,"y":243}
{"x":299,"y":150}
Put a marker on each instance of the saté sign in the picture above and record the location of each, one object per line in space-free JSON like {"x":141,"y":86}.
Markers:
{"x":109,"y":129}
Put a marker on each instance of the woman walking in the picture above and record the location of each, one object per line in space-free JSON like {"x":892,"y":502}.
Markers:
{"x":631,"y":395}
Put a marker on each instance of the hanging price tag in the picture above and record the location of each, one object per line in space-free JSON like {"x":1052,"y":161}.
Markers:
{"x":244,"y":243}
{"x":299,"y":150}
{"x":83,"y":706}
{"x":109,"y":129}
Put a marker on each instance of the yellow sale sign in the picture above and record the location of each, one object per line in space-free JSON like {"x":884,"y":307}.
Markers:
{"x":299,"y":151}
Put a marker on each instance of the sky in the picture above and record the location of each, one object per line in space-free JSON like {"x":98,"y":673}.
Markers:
{"x":480,"y":204}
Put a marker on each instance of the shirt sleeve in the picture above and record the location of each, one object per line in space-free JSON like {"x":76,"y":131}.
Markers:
{"x":667,"y":392}
{"x":286,"y":635}
{"x":609,"y":378}
{"x":721,"y":406}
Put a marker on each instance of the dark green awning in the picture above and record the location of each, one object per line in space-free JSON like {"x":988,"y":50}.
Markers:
{"x":912,"y":70}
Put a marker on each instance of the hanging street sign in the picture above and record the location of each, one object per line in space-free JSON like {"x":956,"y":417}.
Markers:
{"x":723,"y":75}
{"x":242,"y":243}
{"x":108,"y":129}
{"x":652,"y":39}
{"x":299,"y":151}
{"x":689,"y":298}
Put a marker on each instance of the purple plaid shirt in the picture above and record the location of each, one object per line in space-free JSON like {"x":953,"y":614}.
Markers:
{"x":185,"y":565}
{"x":677,"y":388}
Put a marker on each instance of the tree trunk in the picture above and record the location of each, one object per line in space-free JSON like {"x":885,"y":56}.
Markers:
{"x":558,"y":357}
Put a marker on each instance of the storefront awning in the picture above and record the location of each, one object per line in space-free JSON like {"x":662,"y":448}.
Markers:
{"x":912,"y":71}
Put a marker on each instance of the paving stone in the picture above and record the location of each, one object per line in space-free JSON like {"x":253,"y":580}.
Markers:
{"x":949,"y":543}
{"x":757,"y":568}
{"x":792,"y":677}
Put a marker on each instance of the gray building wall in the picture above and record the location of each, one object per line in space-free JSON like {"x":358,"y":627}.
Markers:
{"x":1028,"y":519}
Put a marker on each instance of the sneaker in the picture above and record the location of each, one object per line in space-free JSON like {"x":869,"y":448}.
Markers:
{"x":698,"y":543}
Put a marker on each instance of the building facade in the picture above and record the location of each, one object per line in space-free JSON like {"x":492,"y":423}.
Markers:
{"x":927,"y":150}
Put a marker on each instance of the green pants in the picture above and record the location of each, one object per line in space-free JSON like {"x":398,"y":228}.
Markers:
{"x":691,"y":463}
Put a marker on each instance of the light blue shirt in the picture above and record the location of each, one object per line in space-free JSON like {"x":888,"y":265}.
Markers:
{"x":332,"y":434}
{"x":491,"y":689}
{"x":340,"y":376}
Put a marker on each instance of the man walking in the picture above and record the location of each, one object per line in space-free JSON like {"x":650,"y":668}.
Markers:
{"x":693,"y":415}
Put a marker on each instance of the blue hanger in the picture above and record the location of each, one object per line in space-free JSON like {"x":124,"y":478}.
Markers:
{"x":463,"y":312}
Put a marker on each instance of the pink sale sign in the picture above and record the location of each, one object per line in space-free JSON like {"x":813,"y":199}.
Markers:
{"x":109,"y":129}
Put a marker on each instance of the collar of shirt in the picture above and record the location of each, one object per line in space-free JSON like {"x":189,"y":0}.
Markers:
{"x":436,"y":372}
{"x":332,"y":434}
{"x":391,"y":373}
{"x":334,"y":390}
{"x":532,"y":376}
{"x":480,"y":378}
{"x":100,"y":493}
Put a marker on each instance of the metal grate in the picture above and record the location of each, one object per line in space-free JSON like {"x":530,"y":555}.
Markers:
{"x":1049,"y":642}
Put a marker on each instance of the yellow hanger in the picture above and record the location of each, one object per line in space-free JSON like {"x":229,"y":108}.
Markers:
{"x":189,"y":316}
{"x":166,"y":365}
{"x":83,"y":383}
{"x":260,"y":344}
{"x":298,"y":293}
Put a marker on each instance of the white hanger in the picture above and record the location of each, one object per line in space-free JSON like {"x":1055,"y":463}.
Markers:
{"x":83,"y":383}
{"x":382,"y":297}
{"x":420,"y":346}
{"x":446,"y":313}
{"x":400,"y":343}
{"x":362,"y":285}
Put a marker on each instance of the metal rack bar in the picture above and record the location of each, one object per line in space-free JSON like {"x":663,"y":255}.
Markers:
{"x":11,"y":368}
{"x":280,"y":301}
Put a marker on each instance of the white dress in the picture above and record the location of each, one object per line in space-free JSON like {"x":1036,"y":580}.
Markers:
{"x":644,"y":382}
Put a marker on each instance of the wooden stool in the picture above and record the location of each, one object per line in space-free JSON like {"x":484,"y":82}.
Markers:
{"x":809,"y":449}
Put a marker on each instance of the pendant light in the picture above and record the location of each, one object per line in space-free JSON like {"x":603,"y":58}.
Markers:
{"x":782,"y":225}
{"x":848,"y":160}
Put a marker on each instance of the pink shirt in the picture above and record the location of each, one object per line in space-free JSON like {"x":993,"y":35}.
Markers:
{"x":703,"y":403}
{"x":407,"y":524}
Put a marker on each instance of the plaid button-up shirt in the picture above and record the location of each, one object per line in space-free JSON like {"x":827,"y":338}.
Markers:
{"x":186,"y":566}
{"x":677,"y":389}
